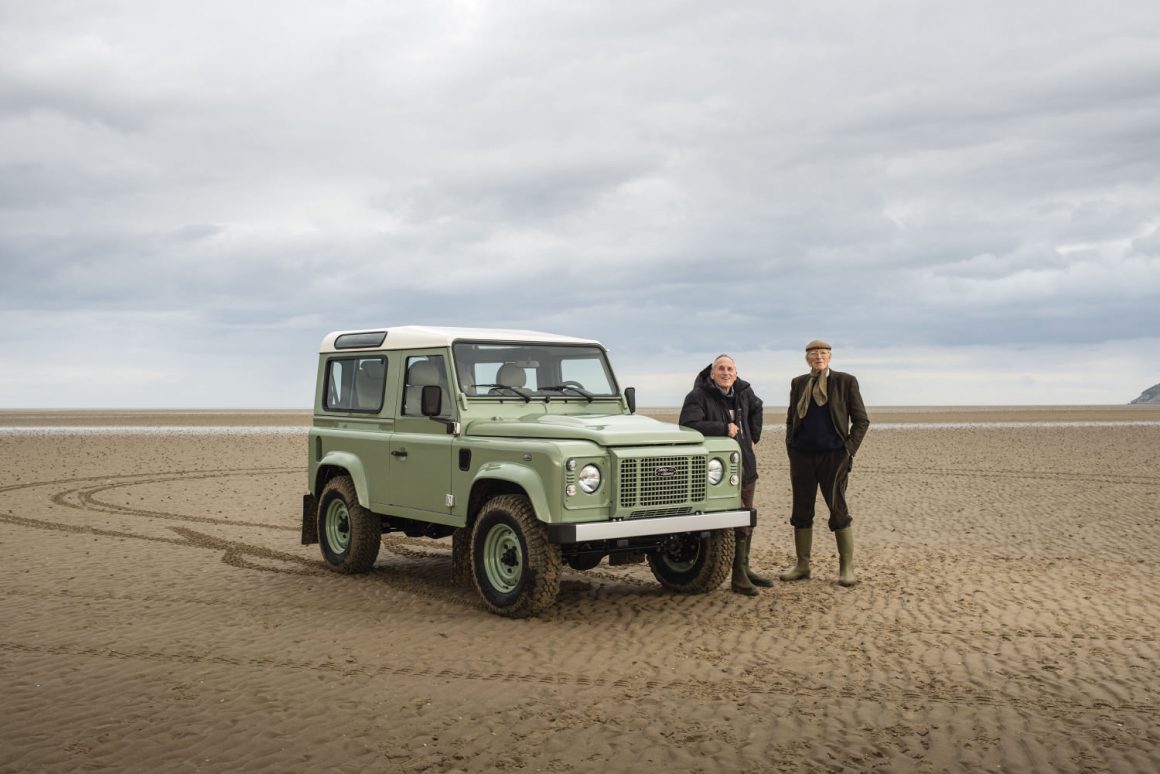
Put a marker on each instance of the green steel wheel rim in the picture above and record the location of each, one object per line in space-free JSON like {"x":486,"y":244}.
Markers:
{"x":679,"y":566}
{"x":503,"y":560}
{"x":337,"y":526}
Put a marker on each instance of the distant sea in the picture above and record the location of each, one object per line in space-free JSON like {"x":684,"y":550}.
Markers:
{"x":291,"y":421}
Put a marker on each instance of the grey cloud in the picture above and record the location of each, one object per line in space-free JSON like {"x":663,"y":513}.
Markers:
{"x":655,"y":175}
{"x":1148,"y":246}
{"x":511,"y":188}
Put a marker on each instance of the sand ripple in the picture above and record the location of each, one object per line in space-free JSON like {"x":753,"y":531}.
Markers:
{"x":159,"y":614}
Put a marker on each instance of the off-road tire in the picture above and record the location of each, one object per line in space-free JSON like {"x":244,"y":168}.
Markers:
{"x":700,"y":566}
{"x":515,"y":569}
{"x":348,"y":533}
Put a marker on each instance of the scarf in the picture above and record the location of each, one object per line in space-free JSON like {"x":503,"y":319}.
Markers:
{"x":816,"y":389}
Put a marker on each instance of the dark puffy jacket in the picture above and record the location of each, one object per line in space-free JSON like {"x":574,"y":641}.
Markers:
{"x":706,"y":410}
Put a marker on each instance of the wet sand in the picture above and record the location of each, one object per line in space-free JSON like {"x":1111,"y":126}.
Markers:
{"x":159,"y":614}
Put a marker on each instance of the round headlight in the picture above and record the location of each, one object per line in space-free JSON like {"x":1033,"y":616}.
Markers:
{"x":589,"y":478}
{"x":716,"y":471}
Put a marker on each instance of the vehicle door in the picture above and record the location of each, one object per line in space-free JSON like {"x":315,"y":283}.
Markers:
{"x":421,"y":454}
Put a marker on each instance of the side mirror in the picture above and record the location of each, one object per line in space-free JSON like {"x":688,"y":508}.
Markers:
{"x":431,"y":400}
{"x":630,"y":399}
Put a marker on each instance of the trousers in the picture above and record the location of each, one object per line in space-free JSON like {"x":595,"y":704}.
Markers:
{"x":747,"y":491}
{"x":828,"y":471}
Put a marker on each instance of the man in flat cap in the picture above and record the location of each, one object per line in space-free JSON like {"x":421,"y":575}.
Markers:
{"x":824,"y":426}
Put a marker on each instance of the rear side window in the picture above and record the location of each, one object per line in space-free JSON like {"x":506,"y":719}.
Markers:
{"x":355,"y":384}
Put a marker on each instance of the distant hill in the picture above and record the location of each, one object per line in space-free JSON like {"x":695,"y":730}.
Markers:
{"x":1150,"y":395}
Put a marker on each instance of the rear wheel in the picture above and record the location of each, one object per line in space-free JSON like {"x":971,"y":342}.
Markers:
{"x":349,"y":534}
{"x":515,"y":568}
{"x":692,"y":564}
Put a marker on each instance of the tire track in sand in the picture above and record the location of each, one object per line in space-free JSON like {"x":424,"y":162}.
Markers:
{"x":234,"y":552}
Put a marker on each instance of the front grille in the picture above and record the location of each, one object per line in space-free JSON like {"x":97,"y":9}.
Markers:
{"x":653,"y":513}
{"x":649,"y":482}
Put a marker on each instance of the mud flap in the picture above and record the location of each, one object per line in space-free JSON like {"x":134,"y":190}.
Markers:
{"x":309,"y":519}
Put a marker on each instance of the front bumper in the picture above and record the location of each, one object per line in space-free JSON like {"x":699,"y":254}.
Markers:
{"x":632,"y":528}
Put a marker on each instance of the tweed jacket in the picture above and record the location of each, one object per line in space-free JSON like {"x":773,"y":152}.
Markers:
{"x":846,"y":408}
{"x":704,"y":410}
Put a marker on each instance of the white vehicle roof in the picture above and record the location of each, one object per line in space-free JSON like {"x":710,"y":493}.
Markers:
{"x":422,"y":336}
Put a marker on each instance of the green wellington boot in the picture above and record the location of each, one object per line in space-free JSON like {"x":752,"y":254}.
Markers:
{"x":846,"y":557}
{"x":803,"y":540}
{"x":754,"y":578}
{"x":740,"y":582}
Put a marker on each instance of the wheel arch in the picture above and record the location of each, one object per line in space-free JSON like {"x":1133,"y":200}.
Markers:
{"x":343,"y":464}
{"x":505,"y":478}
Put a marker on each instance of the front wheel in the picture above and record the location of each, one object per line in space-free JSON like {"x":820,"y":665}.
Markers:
{"x":516,"y":570}
{"x":691,"y":564}
{"x":349,"y":534}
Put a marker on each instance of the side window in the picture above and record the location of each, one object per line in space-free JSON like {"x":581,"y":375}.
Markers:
{"x":423,"y":370}
{"x":355,"y":384}
{"x":338,"y":385}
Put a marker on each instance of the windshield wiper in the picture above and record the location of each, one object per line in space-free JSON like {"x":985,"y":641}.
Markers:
{"x":527,"y":396}
{"x":579,"y":391}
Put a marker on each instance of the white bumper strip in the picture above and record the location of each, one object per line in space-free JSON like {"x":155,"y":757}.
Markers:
{"x":629,"y":528}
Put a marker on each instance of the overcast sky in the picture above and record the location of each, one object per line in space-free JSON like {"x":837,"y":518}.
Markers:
{"x":964,"y":198}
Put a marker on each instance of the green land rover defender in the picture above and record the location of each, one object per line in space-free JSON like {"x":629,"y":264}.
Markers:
{"x":522,"y":448}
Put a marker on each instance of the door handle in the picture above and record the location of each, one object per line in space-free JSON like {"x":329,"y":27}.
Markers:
{"x":399,"y":453}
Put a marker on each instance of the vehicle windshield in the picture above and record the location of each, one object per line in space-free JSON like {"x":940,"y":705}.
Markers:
{"x":528,"y":371}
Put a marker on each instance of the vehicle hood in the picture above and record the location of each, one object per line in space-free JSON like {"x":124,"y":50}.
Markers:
{"x":606,"y":430}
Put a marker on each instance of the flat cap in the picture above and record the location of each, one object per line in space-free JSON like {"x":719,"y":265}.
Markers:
{"x":818,"y":344}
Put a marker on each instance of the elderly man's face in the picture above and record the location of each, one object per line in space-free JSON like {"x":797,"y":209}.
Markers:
{"x":724,"y":373}
{"x":818,"y":359}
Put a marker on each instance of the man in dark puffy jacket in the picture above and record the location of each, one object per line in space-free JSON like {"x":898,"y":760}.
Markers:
{"x":722,"y":404}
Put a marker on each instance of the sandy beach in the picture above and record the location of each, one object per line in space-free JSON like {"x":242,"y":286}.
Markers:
{"x":160,"y":614}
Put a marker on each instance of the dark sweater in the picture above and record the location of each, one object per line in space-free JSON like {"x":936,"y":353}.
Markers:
{"x":816,"y":433}
{"x":846,"y":409}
